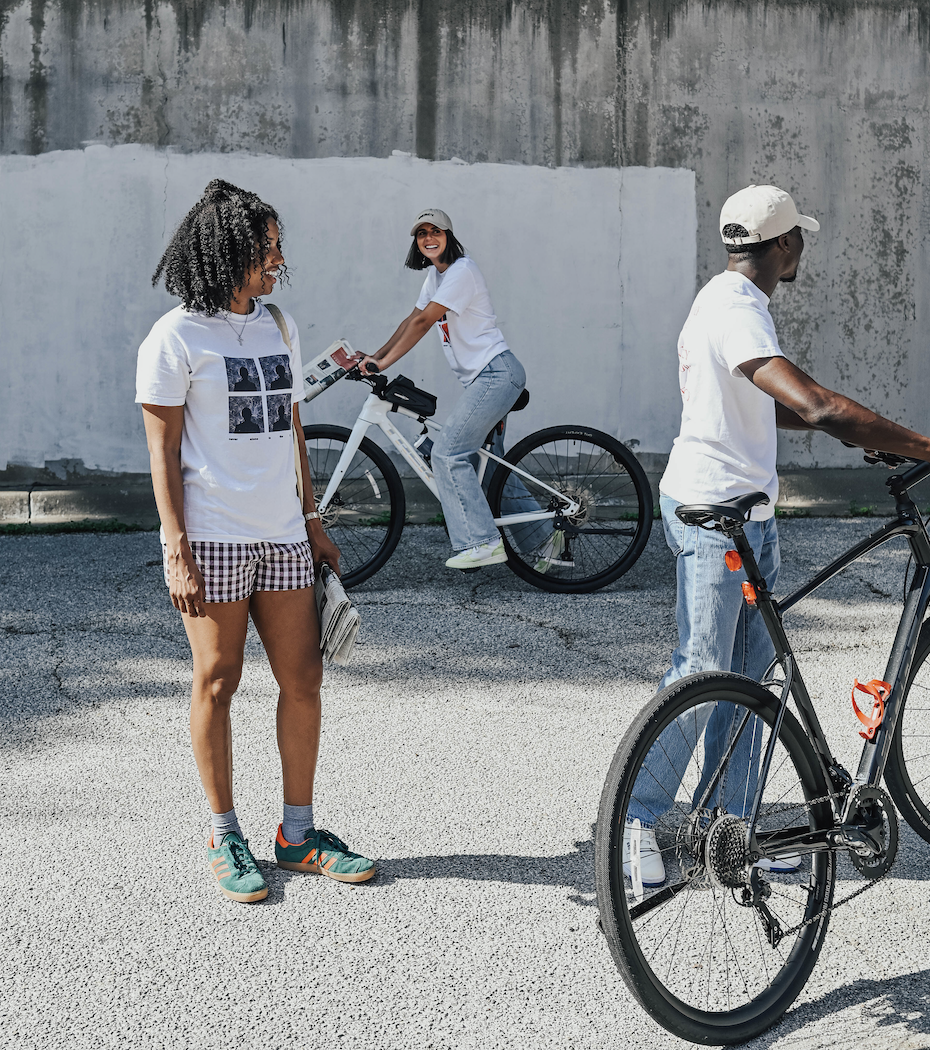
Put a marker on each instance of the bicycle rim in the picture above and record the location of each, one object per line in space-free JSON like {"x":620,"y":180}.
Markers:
{"x":695,"y":955}
{"x":607,"y":533}
{"x":908,"y":770}
{"x":365,"y":516}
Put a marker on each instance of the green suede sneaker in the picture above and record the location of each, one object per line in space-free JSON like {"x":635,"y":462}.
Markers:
{"x":236,"y":871}
{"x":323,"y":854}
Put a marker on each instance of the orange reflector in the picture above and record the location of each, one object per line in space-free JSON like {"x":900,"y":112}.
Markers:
{"x":733,"y":560}
{"x":749,"y":593}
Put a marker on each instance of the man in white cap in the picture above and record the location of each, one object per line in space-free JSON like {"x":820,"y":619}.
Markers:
{"x":736,"y":387}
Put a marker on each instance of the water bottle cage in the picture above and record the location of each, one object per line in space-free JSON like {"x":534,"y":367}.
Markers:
{"x":879,"y":691}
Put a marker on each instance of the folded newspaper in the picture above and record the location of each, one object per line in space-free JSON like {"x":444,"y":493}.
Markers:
{"x":329,"y":366}
{"x":339,"y":619}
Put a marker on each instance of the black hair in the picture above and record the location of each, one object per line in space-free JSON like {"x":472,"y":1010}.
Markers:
{"x":216,"y":244}
{"x":416,"y":260}
{"x":744,"y":251}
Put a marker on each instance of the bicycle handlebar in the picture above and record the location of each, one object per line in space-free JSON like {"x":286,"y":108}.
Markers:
{"x":377,"y":382}
{"x":890,"y":459}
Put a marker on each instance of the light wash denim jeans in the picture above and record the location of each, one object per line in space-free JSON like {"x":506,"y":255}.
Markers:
{"x":485,"y":402}
{"x":717,"y":631}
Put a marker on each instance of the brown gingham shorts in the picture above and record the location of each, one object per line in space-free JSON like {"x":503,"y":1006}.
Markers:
{"x":232,"y":571}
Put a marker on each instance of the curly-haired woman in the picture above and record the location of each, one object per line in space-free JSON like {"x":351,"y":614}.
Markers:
{"x":236,"y":540}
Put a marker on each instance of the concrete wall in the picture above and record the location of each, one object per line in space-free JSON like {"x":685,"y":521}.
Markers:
{"x":570,"y":300}
{"x":827,"y":99}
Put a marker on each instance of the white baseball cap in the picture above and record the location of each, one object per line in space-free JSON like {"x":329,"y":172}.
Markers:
{"x":435,"y":216}
{"x":764,"y":212}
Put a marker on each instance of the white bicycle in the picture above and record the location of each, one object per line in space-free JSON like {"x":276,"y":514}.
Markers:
{"x":573,"y":503}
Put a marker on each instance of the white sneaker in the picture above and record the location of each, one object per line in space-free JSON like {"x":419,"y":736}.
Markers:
{"x":651,"y":868}
{"x":550,"y":554}
{"x":781,"y":866}
{"x":476,"y":557}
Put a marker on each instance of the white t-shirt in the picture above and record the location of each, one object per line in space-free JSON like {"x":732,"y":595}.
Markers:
{"x":727,"y":442}
{"x":468,"y":329}
{"x":237,"y":451}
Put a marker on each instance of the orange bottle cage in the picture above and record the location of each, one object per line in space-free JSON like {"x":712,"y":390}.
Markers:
{"x":879,"y":691}
{"x":749,"y":593}
{"x":733,"y":560}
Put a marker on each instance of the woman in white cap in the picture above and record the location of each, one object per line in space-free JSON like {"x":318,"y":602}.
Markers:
{"x":455,"y":299}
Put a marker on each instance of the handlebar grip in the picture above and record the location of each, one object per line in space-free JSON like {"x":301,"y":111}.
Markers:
{"x":372,"y":367}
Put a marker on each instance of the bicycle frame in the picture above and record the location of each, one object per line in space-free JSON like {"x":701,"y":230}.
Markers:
{"x":375,"y":412}
{"x":909,"y":524}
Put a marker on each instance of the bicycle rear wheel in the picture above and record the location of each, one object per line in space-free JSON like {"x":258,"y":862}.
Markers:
{"x":697,"y":950}
{"x":365,"y":516}
{"x":908,"y":771}
{"x":611,"y":527}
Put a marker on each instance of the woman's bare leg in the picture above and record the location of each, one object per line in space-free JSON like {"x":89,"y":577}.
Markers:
{"x":217,"y":642}
{"x":287,"y":624}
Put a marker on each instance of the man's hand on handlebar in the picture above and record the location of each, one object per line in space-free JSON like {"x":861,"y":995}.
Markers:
{"x":874,"y":455}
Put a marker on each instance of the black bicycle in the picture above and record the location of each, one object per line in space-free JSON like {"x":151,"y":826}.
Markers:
{"x":754,"y":809}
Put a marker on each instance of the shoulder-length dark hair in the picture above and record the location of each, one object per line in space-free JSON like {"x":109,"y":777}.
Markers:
{"x":416,"y":260}
{"x":216,"y":244}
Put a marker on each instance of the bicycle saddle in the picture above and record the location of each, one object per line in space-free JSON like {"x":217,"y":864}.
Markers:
{"x":735,"y":511}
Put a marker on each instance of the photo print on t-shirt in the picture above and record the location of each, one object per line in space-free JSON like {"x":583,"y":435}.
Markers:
{"x":277,"y":371}
{"x":246,"y":415}
{"x":241,"y":374}
{"x":279,"y":412}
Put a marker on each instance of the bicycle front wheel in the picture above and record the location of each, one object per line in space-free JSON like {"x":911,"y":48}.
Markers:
{"x":365,"y":516}
{"x":603,"y":538}
{"x":908,"y":771}
{"x":720,"y":948}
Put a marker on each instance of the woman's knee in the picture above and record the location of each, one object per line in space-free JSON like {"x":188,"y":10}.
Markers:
{"x":217,"y":685}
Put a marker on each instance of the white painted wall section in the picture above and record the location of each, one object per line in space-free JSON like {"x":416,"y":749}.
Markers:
{"x":587,"y":293}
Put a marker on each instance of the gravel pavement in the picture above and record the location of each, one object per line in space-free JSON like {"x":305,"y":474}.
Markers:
{"x":465,"y":748}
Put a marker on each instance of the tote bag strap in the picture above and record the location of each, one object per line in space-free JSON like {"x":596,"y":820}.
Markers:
{"x":279,"y":321}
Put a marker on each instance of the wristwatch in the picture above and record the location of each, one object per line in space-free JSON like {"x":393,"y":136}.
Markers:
{"x":311,"y":515}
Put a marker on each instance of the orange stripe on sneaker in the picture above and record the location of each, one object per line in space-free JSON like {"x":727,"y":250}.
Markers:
{"x":281,"y":840}
{"x":309,"y":857}
{"x":330,"y":862}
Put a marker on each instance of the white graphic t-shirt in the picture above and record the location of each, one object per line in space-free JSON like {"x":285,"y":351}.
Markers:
{"x":237,"y":452}
{"x":468,"y":329}
{"x":727,"y":442}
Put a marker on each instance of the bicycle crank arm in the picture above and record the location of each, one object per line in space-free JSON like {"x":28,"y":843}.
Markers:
{"x":865,"y":841}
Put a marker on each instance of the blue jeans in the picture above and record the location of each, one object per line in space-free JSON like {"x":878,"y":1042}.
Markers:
{"x":717,"y":631}
{"x":485,"y":402}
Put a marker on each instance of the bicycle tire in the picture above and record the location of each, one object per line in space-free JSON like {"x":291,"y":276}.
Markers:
{"x":908,"y":771}
{"x":366,"y":515}
{"x":698,"y":960}
{"x":604,"y":476}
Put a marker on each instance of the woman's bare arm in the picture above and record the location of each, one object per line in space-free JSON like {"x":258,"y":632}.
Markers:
{"x":409,"y":332}
{"x":163,"y":426}
{"x":322,"y":546}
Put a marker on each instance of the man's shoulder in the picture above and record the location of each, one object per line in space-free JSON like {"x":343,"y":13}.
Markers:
{"x":730,"y":299}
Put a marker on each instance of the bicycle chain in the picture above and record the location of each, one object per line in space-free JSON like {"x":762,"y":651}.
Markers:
{"x":870,"y":883}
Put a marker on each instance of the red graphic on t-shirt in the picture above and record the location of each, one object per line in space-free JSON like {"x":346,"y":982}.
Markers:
{"x":444,"y":330}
